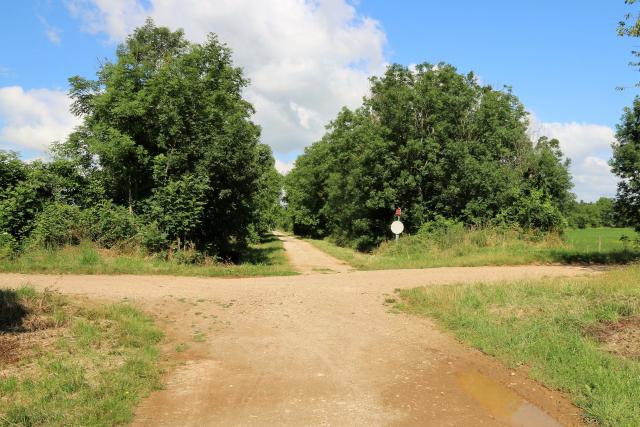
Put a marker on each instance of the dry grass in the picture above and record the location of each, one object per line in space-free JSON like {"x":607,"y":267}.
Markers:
{"x":70,"y":363}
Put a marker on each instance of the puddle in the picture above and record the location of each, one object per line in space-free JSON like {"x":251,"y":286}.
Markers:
{"x":503,"y":403}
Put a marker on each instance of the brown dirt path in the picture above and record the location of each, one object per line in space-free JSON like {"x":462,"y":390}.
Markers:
{"x":306,"y":259}
{"x":320,"y":349}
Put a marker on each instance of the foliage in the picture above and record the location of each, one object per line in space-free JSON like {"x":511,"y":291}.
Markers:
{"x":21,"y":202}
{"x":435,"y":143}
{"x":8,"y":246}
{"x":58,"y":224}
{"x":12,"y":171}
{"x":166,"y":140}
{"x":109,"y":224}
{"x":626,"y":149}
{"x":626,"y":164}
{"x":601,"y":213}
{"x":629,"y":26}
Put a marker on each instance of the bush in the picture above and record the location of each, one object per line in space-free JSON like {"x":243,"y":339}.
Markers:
{"x":187,"y":255}
{"x":152,"y":238}
{"x":109,"y":224}
{"x":8,"y":246}
{"x":534,"y":211}
{"x":58,"y":224}
{"x":445,"y":232}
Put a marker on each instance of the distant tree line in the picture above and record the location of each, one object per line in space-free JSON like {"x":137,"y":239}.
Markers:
{"x":436,"y":143}
{"x":166,"y":157}
{"x":601,"y":213}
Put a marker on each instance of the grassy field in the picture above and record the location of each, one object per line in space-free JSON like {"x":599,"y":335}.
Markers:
{"x":579,"y":335}
{"x":490,"y":247}
{"x":63,"y":364}
{"x":264,"y":259}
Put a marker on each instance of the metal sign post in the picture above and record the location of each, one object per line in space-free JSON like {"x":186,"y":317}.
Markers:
{"x":397,"y":228}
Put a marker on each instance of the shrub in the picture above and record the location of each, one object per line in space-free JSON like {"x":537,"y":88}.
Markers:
{"x":109,"y":224}
{"x":58,"y":224}
{"x":187,"y":255}
{"x":8,"y":245}
{"x":445,"y":232}
{"x":152,"y":238}
{"x":534,"y":211}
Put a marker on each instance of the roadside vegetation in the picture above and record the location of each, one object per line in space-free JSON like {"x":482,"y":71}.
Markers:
{"x":166,"y":164}
{"x":449,"y":244}
{"x":578,"y":335}
{"x":437,"y":144}
{"x":265,"y":258}
{"x":63,"y":363}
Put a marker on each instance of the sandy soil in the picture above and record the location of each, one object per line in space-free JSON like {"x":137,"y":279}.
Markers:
{"x":306,"y":259}
{"x":320,"y":349}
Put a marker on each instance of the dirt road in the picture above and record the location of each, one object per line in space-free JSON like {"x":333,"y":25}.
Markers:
{"x":320,"y":349}
{"x":308,"y":260}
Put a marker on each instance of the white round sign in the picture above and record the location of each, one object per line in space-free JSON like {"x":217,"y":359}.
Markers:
{"x":397,"y":227}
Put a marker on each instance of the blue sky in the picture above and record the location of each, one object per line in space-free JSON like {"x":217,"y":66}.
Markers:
{"x":563,"y":59}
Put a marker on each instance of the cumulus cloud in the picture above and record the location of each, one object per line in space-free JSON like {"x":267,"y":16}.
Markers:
{"x":305,"y":59}
{"x":34,"y":118}
{"x":589,"y":148}
{"x":115,"y":18}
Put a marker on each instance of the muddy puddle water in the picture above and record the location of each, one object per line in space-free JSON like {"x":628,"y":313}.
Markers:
{"x":502,"y":403}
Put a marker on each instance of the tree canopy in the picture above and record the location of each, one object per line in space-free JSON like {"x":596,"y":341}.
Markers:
{"x":435,"y":143}
{"x":626,"y":150}
{"x":166,"y":135}
{"x":626,"y":163}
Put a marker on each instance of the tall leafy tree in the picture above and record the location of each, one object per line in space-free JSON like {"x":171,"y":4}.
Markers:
{"x":626,"y":150}
{"x":167,"y":134}
{"x":626,"y":163}
{"x":436,"y":143}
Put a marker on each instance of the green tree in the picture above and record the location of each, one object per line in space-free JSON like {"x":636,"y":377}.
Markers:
{"x":626,"y":150}
{"x":12,"y":171}
{"x":436,"y":143}
{"x":167,"y":134}
{"x":626,"y":163}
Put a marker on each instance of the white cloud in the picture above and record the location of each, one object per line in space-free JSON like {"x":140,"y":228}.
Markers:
{"x":305,"y":59}
{"x":34,"y":118}
{"x":52,"y":33}
{"x":116,"y":18}
{"x":284,"y":167}
{"x":589,"y":148}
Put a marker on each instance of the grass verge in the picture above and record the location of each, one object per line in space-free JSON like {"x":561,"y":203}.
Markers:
{"x":548,"y":327}
{"x":267,"y":258}
{"x":492,"y":247}
{"x":63,"y":364}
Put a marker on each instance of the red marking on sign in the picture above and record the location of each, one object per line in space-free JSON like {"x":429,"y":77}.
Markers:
{"x":398,"y":211}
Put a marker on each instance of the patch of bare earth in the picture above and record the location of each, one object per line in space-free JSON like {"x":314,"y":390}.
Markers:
{"x":621,"y":337}
{"x":34,"y":330}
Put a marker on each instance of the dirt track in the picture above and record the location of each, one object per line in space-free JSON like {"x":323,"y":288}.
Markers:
{"x":320,"y":349}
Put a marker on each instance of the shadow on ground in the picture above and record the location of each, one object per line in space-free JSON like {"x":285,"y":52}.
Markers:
{"x":11,"y":311}
{"x":624,"y":256}
{"x":260,"y":255}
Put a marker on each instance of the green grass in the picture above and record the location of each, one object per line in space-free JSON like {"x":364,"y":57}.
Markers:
{"x":543,"y":326}
{"x":264,"y":259}
{"x":491,"y":247}
{"x":89,"y":366}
